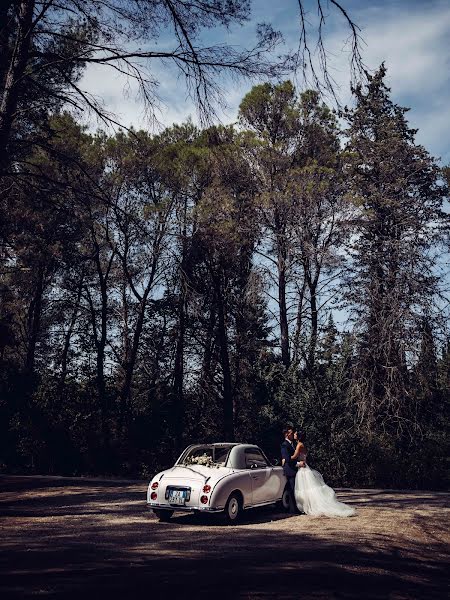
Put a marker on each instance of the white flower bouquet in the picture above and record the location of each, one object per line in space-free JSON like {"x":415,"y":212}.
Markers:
{"x":204,"y":459}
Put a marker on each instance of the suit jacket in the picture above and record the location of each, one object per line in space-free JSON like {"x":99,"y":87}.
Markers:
{"x":289,"y":467}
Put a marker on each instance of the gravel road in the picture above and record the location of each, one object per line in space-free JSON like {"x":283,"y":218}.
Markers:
{"x":78,"y":538}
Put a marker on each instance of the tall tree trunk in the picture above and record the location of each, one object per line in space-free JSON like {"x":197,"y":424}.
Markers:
{"x":5,"y":32}
{"x":299,"y":322}
{"x":130,"y":363}
{"x":100,"y":338}
{"x":284,"y":330}
{"x":14,"y":76}
{"x":34,"y":322}
{"x":225,"y":363}
{"x":178,"y":377}
{"x":207,"y":358}
{"x":67,"y":338}
{"x":312,"y":284}
{"x":126,"y":353}
{"x":101,"y":365}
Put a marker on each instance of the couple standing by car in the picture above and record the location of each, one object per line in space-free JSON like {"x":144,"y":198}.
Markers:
{"x":309,"y":492}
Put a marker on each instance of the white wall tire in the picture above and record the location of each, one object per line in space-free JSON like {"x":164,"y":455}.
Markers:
{"x":233,"y":508}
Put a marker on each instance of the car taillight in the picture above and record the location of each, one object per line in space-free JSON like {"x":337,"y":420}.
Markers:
{"x":204,"y":499}
{"x":206,"y":489}
{"x":155,"y":485}
{"x":154,"y":495}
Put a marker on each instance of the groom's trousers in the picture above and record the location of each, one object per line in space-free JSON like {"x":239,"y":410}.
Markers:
{"x":292,"y":503}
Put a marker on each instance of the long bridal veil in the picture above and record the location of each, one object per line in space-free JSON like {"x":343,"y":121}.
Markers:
{"x":314,"y":497}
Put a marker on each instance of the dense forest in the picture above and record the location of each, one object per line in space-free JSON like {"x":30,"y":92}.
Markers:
{"x":215,"y":283}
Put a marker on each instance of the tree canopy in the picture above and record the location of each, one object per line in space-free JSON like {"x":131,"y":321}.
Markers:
{"x":189,"y":286}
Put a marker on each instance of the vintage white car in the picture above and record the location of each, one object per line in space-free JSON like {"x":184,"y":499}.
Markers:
{"x":212,"y":478}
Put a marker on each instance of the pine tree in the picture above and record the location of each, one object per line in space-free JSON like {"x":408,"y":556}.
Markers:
{"x":395,"y":184}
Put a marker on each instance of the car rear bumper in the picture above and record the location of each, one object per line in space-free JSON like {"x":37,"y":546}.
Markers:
{"x":208,"y":509}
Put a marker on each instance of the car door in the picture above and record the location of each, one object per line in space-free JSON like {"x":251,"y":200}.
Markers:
{"x":264,"y":488}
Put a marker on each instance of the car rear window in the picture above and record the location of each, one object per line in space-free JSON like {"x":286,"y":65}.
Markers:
{"x":221,"y":455}
{"x":206,"y":455}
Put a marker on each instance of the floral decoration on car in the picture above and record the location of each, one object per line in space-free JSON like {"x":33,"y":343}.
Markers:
{"x":204,"y":459}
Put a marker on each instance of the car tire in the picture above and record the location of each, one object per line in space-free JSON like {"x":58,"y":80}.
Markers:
{"x":285,"y":503}
{"x":233,"y":509}
{"x":163,"y":515}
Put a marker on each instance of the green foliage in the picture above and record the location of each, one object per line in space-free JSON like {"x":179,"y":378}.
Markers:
{"x":271,"y":111}
{"x":392,"y":281}
{"x":140,"y":293}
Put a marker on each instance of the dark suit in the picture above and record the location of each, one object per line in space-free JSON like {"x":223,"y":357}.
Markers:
{"x":289,"y":467}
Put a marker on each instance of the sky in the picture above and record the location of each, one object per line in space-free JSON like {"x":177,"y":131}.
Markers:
{"x":412,"y":38}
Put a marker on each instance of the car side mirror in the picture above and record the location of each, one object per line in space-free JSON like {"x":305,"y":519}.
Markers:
{"x":275,"y":462}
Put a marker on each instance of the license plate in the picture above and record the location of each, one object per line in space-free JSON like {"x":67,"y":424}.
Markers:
{"x":177,"y":497}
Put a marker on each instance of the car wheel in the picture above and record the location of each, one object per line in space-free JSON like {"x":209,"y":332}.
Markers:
{"x":285,"y":503}
{"x":163,"y":515}
{"x":233,"y":508}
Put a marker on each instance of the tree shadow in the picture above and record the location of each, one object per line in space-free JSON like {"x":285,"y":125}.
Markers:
{"x":266,"y":514}
{"x":78,"y":498}
{"x":244,"y":563}
{"x":108,"y":544}
{"x":396,"y":499}
{"x":18,"y":483}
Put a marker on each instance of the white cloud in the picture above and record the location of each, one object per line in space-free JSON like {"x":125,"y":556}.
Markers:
{"x":413,"y":40}
{"x":117,"y":94}
{"x":414,"y":43}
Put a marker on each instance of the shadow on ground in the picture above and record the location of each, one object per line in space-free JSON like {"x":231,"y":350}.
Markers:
{"x":70,"y":538}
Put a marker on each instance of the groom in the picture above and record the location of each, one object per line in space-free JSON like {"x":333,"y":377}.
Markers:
{"x":289,"y":463}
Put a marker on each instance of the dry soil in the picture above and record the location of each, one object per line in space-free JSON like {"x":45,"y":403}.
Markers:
{"x":82,"y":538}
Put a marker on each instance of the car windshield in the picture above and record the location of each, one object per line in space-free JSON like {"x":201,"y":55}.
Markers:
{"x":209,"y":456}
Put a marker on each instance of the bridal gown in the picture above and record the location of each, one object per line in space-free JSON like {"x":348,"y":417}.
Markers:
{"x":314,"y":497}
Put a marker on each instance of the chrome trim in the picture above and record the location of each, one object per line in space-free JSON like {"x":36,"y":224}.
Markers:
{"x":264,"y":503}
{"x":183,"y":508}
{"x":207,"y":508}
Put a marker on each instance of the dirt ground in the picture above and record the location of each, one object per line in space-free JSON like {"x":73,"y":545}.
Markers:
{"x":76,"y":538}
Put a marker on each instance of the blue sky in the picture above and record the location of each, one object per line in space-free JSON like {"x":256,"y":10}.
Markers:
{"x":412,"y":37}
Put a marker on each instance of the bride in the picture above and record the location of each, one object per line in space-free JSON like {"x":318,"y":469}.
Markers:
{"x":312,"y":495}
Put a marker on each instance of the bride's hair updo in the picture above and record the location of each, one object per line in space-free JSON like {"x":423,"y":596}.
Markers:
{"x":300,"y":435}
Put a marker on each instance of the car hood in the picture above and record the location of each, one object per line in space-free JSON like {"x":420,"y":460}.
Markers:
{"x":198,"y":473}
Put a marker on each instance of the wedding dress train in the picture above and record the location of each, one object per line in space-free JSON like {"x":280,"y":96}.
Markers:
{"x":314,"y":497}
